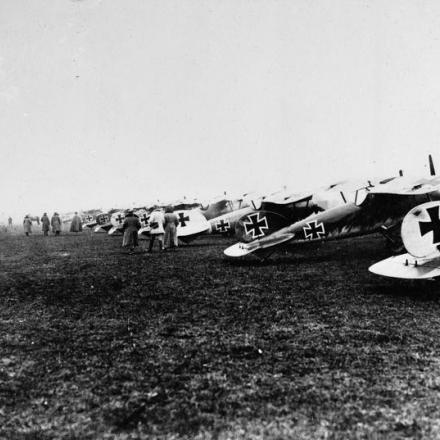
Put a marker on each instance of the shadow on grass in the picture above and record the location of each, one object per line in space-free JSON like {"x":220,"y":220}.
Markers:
{"x":418,"y":290}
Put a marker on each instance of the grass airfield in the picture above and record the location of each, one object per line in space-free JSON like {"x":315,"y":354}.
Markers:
{"x":99,"y":344}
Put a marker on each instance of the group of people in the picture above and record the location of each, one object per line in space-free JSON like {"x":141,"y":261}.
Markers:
{"x":55,"y":222}
{"x":163,"y":229}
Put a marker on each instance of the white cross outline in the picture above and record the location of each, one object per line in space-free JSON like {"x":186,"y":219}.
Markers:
{"x":308,"y":227}
{"x":258,"y":220}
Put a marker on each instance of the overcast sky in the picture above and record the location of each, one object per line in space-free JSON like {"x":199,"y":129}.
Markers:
{"x":114,"y":102}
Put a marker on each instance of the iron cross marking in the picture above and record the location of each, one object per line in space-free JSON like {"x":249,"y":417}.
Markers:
{"x":102,"y":220}
{"x":144,"y":219}
{"x":119,"y":218}
{"x":433,"y":225}
{"x":314,"y":230}
{"x":183,"y":219}
{"x":255,"y":226}
{"x":223,"y":226}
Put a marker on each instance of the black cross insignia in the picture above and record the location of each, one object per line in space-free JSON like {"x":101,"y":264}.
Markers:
{"x":183,"y":219}
{"x":144,"y":219}
{"x":119,"y":218}
{"x":255,"y":225}
{"x":433,"y":225}
{"x":314,"y":230}
{"x":89,"y":218}
{"x":102,"y":219}
{"x":223,"y":226}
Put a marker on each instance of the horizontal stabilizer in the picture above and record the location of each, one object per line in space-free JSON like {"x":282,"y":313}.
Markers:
{"x":144,"y":231}
{"x":242,"y":249}
{"x":113,"y":230}
{"x":407,"y":267}
{"x":237,"y":250}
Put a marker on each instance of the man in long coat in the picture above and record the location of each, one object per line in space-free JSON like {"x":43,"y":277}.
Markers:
{"x":45,"y":224}
{"x":171,"y":222}
{"x":131,"y":227}
{"x":55,"y":221}
{"x":27,"y":225}
{"x":76,"y":225}
{"x":156,"y":228}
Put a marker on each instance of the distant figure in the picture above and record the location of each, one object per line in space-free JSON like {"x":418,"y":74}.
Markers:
{"x":156,"y":224}
{"x":27,"y":225}
{"x":171,"y":222}
{"x":76,"y":225}
{"x":10,"y":222}
{"x":45,"y":224}
{"x":55,"y":222}
{"x":131,"y":227}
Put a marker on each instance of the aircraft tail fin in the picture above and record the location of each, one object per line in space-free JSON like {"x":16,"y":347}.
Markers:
{"x":421,"y":237}
{"x":192,"y":223}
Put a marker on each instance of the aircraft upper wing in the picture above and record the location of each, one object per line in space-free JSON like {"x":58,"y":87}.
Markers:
{"x":407,"y":187}
{"x":285,"y":199}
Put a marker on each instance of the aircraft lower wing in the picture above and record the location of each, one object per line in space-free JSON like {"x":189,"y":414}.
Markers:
{"x":407,"y":267}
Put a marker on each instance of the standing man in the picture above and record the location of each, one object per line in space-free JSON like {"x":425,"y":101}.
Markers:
{"x":10,"y":222}
{"x":45,"y":224}
{"x":131,"y":227}
{"x":171,"y":222}
{"x":156,"y":224}
{"x":55,"y":221}
{"x":76,"y":225}
{"x":27,"y":225}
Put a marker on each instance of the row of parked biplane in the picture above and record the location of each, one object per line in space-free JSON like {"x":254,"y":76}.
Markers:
{"x":406,"y":211}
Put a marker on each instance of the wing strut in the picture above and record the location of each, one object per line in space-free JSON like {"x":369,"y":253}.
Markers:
{"x":431,"y":166}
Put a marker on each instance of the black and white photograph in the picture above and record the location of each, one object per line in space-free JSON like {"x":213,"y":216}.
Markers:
{"x":219,"y":219}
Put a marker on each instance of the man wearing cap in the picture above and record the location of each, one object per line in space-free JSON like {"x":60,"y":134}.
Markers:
{"x":131,"y":227}
{"x":157,"y":221}
{"x":55,"y":221}
{"x":27,"y":225}
{"x":45,"y":224}
{"x":76,"y":224}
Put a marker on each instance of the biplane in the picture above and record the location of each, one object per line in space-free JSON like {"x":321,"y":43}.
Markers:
{"x":389,"y":207}
{"x":102,"y":222}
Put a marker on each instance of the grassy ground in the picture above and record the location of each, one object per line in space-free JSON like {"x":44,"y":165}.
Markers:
{"x":95,"y":343}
